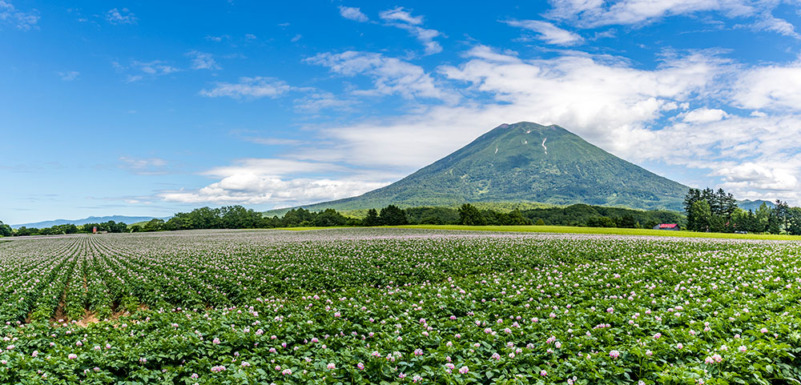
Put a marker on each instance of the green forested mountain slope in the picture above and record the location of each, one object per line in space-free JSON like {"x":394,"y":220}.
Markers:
{"x":525,"y":162}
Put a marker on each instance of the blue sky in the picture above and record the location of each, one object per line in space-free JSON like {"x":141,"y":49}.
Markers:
{"x":149,"y":108}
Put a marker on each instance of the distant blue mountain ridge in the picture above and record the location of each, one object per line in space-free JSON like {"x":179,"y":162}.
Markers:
{"x":78,"y":222}
{"x":754,"y":205}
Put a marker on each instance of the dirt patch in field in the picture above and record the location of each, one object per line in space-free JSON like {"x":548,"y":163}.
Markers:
{"x":60,"y":316}
{"x":88,"y":319}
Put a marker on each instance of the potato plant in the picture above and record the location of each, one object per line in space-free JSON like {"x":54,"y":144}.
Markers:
{"x":398,"y":306}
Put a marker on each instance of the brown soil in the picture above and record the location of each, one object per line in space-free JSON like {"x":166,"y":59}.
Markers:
{"x":88,"y":318}
{"x":59,"y":314}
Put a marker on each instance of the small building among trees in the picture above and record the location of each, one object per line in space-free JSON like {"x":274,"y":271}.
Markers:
{"x":667,"y":226}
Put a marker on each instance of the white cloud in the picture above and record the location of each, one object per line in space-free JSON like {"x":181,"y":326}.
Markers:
{"x":751,"y":176}
{"x":203,"y":61}
{"x":155,"y":67}
{"x":401,"y":15}
{"x":273,"y":167}
{"x":401,"y":18}
{"x":21,"y":20}
{"x":390,"y":75}
{"x":253,"y":189}
{"x":257,"y":181}
{"x":352,"y":13}
{"x":767,"y":22}
{"x":604,"y":102}
{"x":120,"y":16}
{"x":487,"y":53}
{"x":595,"y":13}
{"x":705,"y":115}
{"x":274,"y":141}
{"x":316,"y":101}
{"x":252,"y":87}
{"x":769,"y":87}
{"x":69,"y":76}
{"x":144,"y":166}
{"x":138,"y":70}
{"x":548,"y":32}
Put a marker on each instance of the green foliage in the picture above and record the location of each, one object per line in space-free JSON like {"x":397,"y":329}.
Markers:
{"x":469,"y":215}
{"x":5,"y":230}
{"x":601,"y":222}
{"x":392,"y":216}
{"x":371,"y":219}
{"x":701,"y":213}
{"x":373,"y":306}
{"x":154,"y":225}
{"x":586,"y":215}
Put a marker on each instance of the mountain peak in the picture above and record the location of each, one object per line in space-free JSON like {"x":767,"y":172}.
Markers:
{"x":526,"y":162}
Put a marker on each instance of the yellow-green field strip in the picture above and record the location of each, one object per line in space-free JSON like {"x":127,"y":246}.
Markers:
{"x":605,"y":230}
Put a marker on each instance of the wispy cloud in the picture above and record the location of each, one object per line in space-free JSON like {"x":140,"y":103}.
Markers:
{"x":248,"y":87}
{"x":704,"y":115}
{"x":548,"y":32}
{"x":390,"y":75}
{"x":203,"y":61}
{"x":401,"y":15}
{"x":274,"y":141}
{"x":120,"y":16}
{"x":771,"y":87}
{"x":770,"y":23}
{"x":352,"y":13}
{"x":144,"y":166}
{"x":315,"y":101}
{"x":277,"y":181}
{"x":401,"y":18}
{"x":68,"y":76}
{"x":22,"y":20}
{"x":139,"y":70}
{"x":595,"y":13}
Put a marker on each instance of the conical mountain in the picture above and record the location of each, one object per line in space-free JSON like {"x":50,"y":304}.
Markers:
{"x":526,"y":162}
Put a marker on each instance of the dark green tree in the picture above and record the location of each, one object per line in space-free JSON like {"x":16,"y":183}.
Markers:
{"x":154,"y":225}
{"x":762,"y":214}
{"x":5,"y":230}
{"x":626,"y":221}
{"x":600,"y":222}
{"x":392,"y":216}
{"x":329,"y":217}
{"x":701,"y":214}
{"x":469,"y":215}
{"x":297,"y":217}
{"x":25,"y":231}
{"x":372,"y":218}
{"x":782,"y":210}
{"x":516,"y":218}
{"x":774,"y":222}
{"x":794,"y":220}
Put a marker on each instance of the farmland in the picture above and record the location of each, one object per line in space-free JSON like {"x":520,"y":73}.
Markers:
{"x":398,"y":306}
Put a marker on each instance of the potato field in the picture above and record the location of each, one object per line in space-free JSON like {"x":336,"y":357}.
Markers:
{"x":372,"y":306}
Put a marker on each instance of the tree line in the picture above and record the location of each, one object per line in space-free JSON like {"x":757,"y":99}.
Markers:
{"x":238,"y":217}
{"x":110,"y":227}
{"x":717,"y":211}
{"x":706,"y":210}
